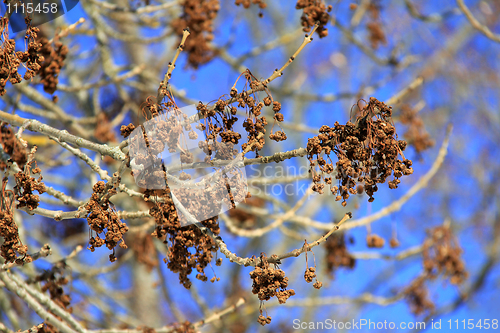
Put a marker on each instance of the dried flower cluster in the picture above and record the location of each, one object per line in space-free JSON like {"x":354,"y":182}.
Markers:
{"x":221,"y":118}
{"x":269,"y":282}
{"x":310,"y":275}
{"x":247,"y":3}
{"x":198,"y":16}
{"x":336,"y":253}
{"x":11,"y":146}
{"x":314,"y":11}
{"x":12,"y":245}
{"x":367,"y":152}
{"x":417,"y":295}
{"x":25,"y":185}
{"x":442,"y":255}
{"x":103,"y":131}
{"x":125,"y":131}
{"x":102,"y":218}
{"x":415,"y":135}
{"x":374,"y":27}
{"x":10,"y":60}
{"x":54,"y":56}
{"x":188,"y":247}
{"x":373,"y":240}
{"x":185,"y":327}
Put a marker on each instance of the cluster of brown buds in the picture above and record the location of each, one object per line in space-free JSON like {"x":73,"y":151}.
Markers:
{"x":102,"y":218}
{"x":269,"y":282}
{"x":443,"y":255}
{"x":416,"y":134}
{"x":314,"y":11}
{"x":54,"y":56}
{"x":199,"y":16}
{"x":336,"y":253}
{"x":10,"y":59}
{"x":40,"y":58}
{"x":188,"y":247}
{"x":26,"y":184}
{"x":11,"y":146}
{"x":367,"y":151}
{"x":417,"y":296}
{"x":12,"y":245}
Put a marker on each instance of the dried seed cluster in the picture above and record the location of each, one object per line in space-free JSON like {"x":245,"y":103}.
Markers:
{"x":12,"y":245}
{"x":417,"y":295}
{"x":336,"y":253}
{"x":367,"y":150}
{"x":11,"y":146}
{"x":25,"y":185}
{"x":314,"y":11}
{"x":103,"y":131}
{"x":103,"y":218}
{"x":221,"y":118}
{"x":415,"y":135}
{"x":310,"y":275}
{"x":10,"y":60}
{"x":188,"y":247}
{"x":185,"y":327}
{"x":442,"y":255}
{"x":39,"y":58}
{"x":246,"y":3}
{"x":54,"y":56}
{"x":374,"y":240}
{"x":374,"y":26}
{"x":125,"y":131}
{"x":269,"y":282}
{"x":198,"y":16}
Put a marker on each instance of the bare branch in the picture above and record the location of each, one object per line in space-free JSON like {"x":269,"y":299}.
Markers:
{"x":476,"y":24}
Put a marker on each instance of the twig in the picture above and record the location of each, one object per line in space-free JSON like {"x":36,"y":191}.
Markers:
{"x":432,"y":17}
{"x":400,"y":95}
{"x":20,"y":289}
{"x":278,"y":72}
{"x":33,"y":329}
{"x":78,"y":153}
{"x":308,"y":247}
{"x":117,"y":79}
{"x":62,"y":135}
{"x":276,"y":157}
{"x":162,"y":90}
{"x":322,"y":301}
{"x":400,"y":256}
{"x":66,"y":199}
{"x":68,"y":29}
{"x":49,"y":304}
{"x":63,"y":116}
{"x":140,"y":10}
{"x":476,"y":24}
{"x":45,"y":251}
{"x":218,"y":315}
{"x":278,"y":222}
